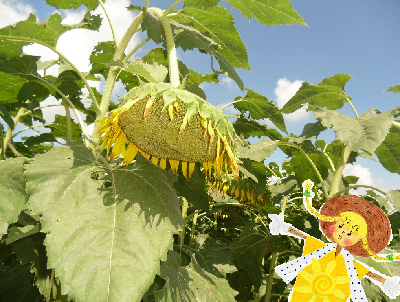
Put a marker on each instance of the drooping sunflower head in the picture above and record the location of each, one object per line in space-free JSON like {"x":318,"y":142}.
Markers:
{"x":167,"y":123}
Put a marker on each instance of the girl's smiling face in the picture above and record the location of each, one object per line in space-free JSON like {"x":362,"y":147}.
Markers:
{"x":343,"y":235}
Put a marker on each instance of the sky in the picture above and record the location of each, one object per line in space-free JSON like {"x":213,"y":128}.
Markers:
{"x":359,"y":38}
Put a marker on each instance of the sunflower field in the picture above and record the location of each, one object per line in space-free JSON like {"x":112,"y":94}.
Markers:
{"x":167,"y":200}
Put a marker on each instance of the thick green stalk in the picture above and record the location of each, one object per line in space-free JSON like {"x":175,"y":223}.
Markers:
{"x":9,"y":133}
{"x":337,"y":178}
{"x":113,"y":74}
{"x":68,"y":123}
{"x":358,"y":186}
{"x":171,"y":50}
{"x":194,"y":224}
{"x":396,"y":125}
{"x":3,"y":149}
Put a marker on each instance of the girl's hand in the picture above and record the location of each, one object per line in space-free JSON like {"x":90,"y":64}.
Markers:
{"x":278,"y":225}
{"x":391,"y":287}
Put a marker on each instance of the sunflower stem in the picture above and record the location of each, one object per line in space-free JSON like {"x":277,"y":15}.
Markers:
{"x":49,"y":287}
{"x":337,"y":178}
{"x":192,"y":233}
{"x":68,"y":123}
{"x":3,"y":150}
{"x":171,"y":50}
{"x":185,"y":207}
{"x":7,"y":139}
{"x":109,"y":22}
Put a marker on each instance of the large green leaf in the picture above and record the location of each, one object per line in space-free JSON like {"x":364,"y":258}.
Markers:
{"x":329,"y":93}
{"x":388,"y":152}
{"x":67,"y":4}
{"x":59,"y":128}
{"x":366,"y":132}
{"x":151,"y":72}
{"x":108,"y":228}
{"x":12,"y":191}
{"x":259,"y":107}
{"x":14,"y":37}
{"x":258,"y":151}
{"x":217,"y":23}
{"x":191,"y":283}
{"x":274,"y":12}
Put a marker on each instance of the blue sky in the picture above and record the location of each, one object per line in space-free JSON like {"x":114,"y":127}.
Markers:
{"x":359,"y":38}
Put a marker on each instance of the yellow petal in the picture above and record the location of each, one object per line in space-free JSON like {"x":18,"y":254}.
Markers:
{"x":184,"y":123}
{"x":339,"y":294}
{"x":184,"y":169}
{"x":326,"y":299}
{"x":330,"y":266}
{"x":303,"y":289}
{"x":316,"y":267}
{"x":237,"y":193}
{"x":342,"y":279}
{"x":154,"y":160}
{"x":171,"y":112}
{"x":145,"y":155}
{"x":205,"y":165}
{"x":307,"y":276}
{"x":163,"y":163}
{"x":313,"y":299}
{"x":218,"y":146}
{"x":209,"y":169}
{"x":115,"y":132}
{"x":119,"y":145}
{"x":191,"y":169}
{"x":130,"y":153}
{"x":147,"y":108}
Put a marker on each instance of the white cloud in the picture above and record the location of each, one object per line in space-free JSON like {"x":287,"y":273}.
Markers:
{"x":13,"y":11}
{"x":228,"y":82}
{"x":284,"y":91}
{"x":365,"y":178}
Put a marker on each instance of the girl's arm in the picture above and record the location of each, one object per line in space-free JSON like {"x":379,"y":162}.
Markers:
{"x":279,"y":226}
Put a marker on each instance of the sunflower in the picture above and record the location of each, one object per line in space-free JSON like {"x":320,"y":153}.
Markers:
{"x":170,"y":124}
{"x":331,"y":284}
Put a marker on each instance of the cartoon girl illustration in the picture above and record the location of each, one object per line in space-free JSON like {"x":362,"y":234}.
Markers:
{"x":327,"y":271}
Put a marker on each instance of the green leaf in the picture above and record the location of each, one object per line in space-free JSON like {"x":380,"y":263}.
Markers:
{"x":259,"y":107}
{"x":18,"y":80}
{"x":200,"y":3}
{"x":12,"y":191}
{"x":15,"y":36}
{"x":312,"y":130}
{"x":75,"y":4}
{"x":59,"y":128}
{"x":194,"y":189}
{"x":217,"y":23}
{"x":247,"y":127}
{"x":17,"y":284}
{"x":275,"y":12}
{"x":394,"y":197}
{"x":213,"y":256}
{"x":329,"y":94}
{"x":395,"y":89}
{"x":388,"y":152}
{"x":5,"y":115}
{"x":191,"y":283}
{"x":41,"y":138}
{"x":100,"y":56}
{"x":151,"y":72}
{"x":250,"y":248}
{"x":366,"y":132}
{"x":258,"y":151}
{"x":105,"y":233}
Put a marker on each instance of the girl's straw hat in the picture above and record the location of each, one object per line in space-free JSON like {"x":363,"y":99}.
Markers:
{"x":379,"y":230}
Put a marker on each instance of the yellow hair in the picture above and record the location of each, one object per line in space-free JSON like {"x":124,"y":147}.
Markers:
{"x":307,"y":185}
